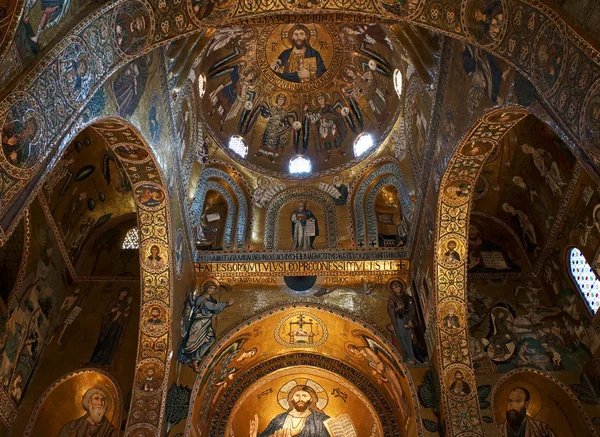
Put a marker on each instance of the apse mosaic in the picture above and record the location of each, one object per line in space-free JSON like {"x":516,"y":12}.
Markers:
{"x":349,"y":385}
{"x":303,"y":92}
{"x":539,"y":404}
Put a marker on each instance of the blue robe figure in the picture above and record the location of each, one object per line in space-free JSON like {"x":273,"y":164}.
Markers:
{"x":290,"y":72}
{"x":313,"y":427}
{"x":199,"y":335}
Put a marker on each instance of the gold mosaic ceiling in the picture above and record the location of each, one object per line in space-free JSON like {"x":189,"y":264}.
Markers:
{"x":301,"y":92}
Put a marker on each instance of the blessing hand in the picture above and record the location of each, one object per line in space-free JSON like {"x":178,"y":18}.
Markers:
{"x":275,"y":65}
{"x":253,"y":432}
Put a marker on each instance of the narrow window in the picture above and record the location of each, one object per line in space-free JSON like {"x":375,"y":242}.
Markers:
{"x":132,"y":239}
{"x":585,"y":278}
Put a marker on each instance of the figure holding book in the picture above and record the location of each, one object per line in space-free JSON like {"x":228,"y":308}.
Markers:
{"x":304,"y":228}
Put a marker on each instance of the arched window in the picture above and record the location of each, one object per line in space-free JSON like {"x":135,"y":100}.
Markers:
{"x":585,"y":278}
{"x":132,"y":239}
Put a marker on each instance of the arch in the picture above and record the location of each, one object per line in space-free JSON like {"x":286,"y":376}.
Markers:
{"x":555,"y":390}
{"x":206,"y":395}
{"x":452,"y":224}
{"x":311,"y":194}
{"x":242,"y":215}
{"x":156,"y":278}
{"x":527,"y":24}
{"x":584,"y":278}
{"x":370,"y":211}
{"x":389,"y":168}
{"x":86,"y":378}
{"x":231,"y":209}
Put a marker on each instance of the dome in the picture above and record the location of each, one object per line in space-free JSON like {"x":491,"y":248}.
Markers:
{"x":300,"y":90}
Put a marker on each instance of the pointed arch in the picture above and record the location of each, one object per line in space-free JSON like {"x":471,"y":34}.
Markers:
{"x":370,"y":209}
{"x":156,"y":278}
{"x":360,"y":192}
{"x":452,"y":224}
{"x":241,"y":211}
{"x":231,"y":208}
{"x":297,"y":194}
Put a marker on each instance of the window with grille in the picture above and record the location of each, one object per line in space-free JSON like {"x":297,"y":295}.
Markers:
{"x":585,"y":278}
{"x":132,"y":239}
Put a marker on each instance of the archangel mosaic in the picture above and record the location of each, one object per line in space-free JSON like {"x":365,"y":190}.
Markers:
{"x":299,"y":218}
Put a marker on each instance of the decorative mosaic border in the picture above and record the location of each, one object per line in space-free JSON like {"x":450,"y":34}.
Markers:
{"x":147,"y":411}
{"x":296,"y":194}
{"x":230,"y":333}
{"x":24,"y":260}
{"x":463,"y":416}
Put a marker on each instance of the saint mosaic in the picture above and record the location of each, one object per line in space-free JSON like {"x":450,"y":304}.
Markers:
{"x":301,"y":89}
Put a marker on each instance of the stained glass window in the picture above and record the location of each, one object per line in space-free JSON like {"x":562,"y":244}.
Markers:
{"x":132,"y":239}
{"x":585,"y":278}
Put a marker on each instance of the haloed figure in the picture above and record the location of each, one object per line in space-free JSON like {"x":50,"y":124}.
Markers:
{"x":302,"y":419}
{"x":518,"y":423}
{"x":304,"y":227}
{"x":93,"y":422}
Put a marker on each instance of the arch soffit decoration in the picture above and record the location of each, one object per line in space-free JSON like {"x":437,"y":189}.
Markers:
{"x":362,"y":187}
{"x":198,"y":202}
{"x":452,"y":225}
{"x":525,"y":19}
{"x":275,"y":311}
{"x":296,"y":194}
{"x":146,"y":412}
{"x":24,"y":260}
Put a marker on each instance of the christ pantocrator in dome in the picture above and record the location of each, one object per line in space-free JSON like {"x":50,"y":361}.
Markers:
{"x":301,"y":62}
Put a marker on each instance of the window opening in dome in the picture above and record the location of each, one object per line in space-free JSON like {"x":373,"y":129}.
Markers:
{"x":585,"y":278}
{"x":201,"y":85}
{"x":132,"y":239}
{"x":237,"y":144}
{"x":363,"y":143}
{"x":398,"y":82}
{"x":300,"y":164}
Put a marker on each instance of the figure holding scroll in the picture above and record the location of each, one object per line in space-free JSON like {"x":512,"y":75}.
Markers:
{"x":304,"y":227}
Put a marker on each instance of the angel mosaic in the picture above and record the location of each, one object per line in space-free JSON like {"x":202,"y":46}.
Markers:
{"x":280,"y":125}
{"x":235,"y":95}
{"x":331,"y":122}
{"x":197,"y":323}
